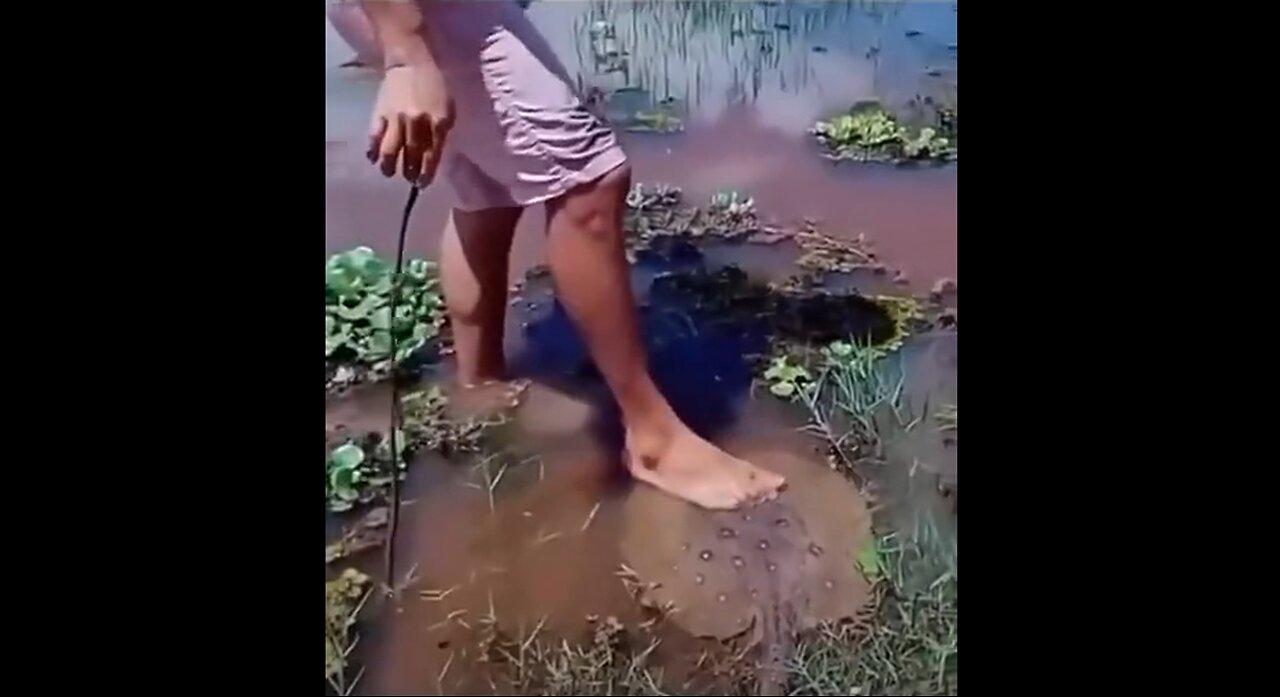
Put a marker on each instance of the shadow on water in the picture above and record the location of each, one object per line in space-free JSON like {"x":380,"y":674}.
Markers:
{"x":705,"y":328}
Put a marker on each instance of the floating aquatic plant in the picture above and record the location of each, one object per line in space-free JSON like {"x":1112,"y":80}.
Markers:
{"x":870,"y":133}
{"x":786,"y":378}
{"x":356,"y":471}
{"x":358,"y":323}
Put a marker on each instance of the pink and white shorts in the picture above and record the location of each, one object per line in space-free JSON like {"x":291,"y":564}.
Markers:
{"x":523,"y":134}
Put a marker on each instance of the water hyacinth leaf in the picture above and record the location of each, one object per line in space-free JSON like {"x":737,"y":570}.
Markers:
{"x":379,"y":345}
{"x":417,"y":269}
{"x":335,"y":340}
{"x":360,"y":311}
{"x":783,"y":389}
{"x":381,"y":318}
{"x":404,"y":351}
{"x":341,"y":281}
{"x":383,"y":286}
{"x":347,"y":456}
{"x":343,"y":482}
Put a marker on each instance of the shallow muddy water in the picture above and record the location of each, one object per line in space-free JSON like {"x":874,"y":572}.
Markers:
{"x":749,"y":79}
{"x":540,"y":544}
{"x":539,"y":541}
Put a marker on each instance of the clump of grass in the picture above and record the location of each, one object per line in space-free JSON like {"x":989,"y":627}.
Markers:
{"x":368,"y":532}
{"x":911,"y":645}
{"x":856,"y":384}
{"x":344,"y":597}
{"x":428,"y":424}
{"x":358,"y":322}
{"x":611,"y":661}
{"x":870,"y":133}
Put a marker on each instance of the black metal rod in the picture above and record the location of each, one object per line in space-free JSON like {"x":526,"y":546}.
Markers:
{"x":395,"y":393}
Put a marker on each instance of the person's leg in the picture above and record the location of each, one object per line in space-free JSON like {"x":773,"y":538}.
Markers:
{"x":589,"y":267}
{"x":473,"y":273}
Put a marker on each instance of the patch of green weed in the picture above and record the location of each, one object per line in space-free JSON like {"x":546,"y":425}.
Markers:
{"x":358,"y":470}
{"x":358,"y":323}
{"x":910,"y":646}
{"x":786,"y":378}
{"x":870,"y":133}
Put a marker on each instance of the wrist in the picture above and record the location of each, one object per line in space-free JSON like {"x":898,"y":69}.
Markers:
{"x":411,"y":50}
{"x":401,"y":32}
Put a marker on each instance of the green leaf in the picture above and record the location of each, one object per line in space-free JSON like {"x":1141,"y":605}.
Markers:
{"x":407,"y":348}
{"x":362,"y":309}
{"x":342,"y":480}
{"x":383,"y":286}
{"x":381,"y":318}
{"x":347,"y":456}
{"x":868,"y":560}
{"x":337,"y":340}
{"x":842,"y":349}
{"x":783,"y":389}
{"x":379,"y":345}
{"x":418,"y":269}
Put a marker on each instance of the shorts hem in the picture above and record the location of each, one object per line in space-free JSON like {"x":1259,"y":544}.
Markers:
{"x":606,"y":162}
{"x":603,"y":164}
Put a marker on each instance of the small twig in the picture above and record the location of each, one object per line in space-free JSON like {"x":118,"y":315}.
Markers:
{"x":543,"y":539}
{"x":443,"y":672}
{"x":592,"y":516}
{"x":536,"y":630}
{"x":434,"y":595}
{"x":492,"y":483}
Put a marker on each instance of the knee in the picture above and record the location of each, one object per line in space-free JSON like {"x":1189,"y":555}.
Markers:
{"x":595,"y":209}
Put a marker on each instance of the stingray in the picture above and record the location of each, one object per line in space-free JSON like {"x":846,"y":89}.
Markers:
{"x":773,"y":570}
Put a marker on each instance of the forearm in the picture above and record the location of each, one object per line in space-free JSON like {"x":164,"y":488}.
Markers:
{"x":401,"y":31}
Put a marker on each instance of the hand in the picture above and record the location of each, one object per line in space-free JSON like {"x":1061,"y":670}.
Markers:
{"x":412,"y":116}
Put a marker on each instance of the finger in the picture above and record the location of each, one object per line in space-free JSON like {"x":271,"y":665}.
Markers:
{"x":430,"y":162}
{"x":392,"y":143}
{"x":376,"y":131}
{"x":431,"y":158}
{"x":417,"y":140}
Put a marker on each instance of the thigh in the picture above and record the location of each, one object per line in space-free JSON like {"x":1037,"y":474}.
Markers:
{"x":521,"y":123}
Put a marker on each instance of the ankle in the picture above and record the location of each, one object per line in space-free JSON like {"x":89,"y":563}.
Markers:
{"x":649,"y":438}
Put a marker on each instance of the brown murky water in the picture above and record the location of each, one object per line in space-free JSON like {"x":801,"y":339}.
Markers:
{"x":545,"y":548}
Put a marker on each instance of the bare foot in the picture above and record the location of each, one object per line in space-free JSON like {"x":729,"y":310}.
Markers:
{"x":692,"y":469}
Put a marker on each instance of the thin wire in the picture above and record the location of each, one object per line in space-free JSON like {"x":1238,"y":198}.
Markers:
{"x":395,"y":394}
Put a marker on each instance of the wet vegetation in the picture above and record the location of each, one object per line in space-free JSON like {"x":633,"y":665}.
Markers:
{"x":870,"y":133}
{"x":831,"y":352}
{"x":909,"y":645}
{"x":358,"y":324}
{"x":344,"y":597}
